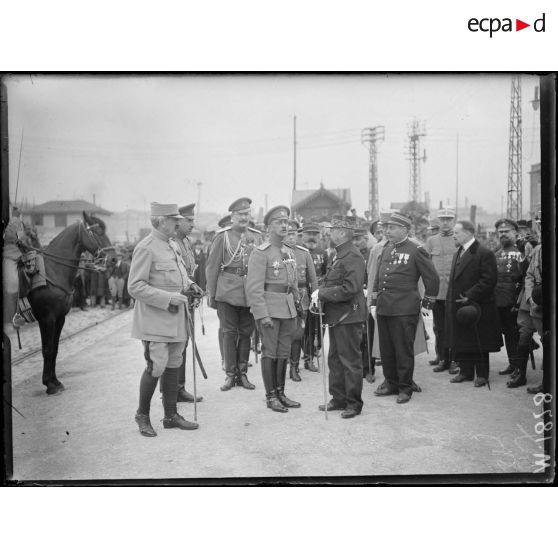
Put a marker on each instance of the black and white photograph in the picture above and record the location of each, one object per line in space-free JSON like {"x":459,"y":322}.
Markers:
{"x":230,"y":278}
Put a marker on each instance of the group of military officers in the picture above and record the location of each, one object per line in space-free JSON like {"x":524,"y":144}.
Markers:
{"x":273,"y":289}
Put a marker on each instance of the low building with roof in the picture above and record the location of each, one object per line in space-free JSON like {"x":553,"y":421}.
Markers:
{"x":320,"y":204}
{"x":52,"y":217}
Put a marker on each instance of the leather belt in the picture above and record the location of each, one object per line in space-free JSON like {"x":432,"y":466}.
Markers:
{"x":235,"y":271}
{"x":273,"y":288}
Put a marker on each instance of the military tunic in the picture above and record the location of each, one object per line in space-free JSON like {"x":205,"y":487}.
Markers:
{"x":506,"y":294}
{"x":226,"y":271}
{"x":345,"y":311}
{"x":157,"y":272}
{"x":271,"y":287}
{"x":441,"y":248}
{"x":398,"y":302}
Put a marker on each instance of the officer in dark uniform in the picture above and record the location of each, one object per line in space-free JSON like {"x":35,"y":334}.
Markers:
{"x":311,"y":234}
{"x":307,"y":283}
{"x":396,"y":304}
{"x":510,"y":282}
{"x":272,"y":291}
{"x":344,"y":310}
{"x":360,"y":240}
{"x":226,"y":270}
{"x":223,"y":222}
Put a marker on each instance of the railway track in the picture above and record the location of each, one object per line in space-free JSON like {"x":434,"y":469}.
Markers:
{"x":32,"y":352}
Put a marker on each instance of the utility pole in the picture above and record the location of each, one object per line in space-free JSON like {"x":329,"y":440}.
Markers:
{"x":369,"y":137}
{"x":199,"y":185}
{"x":415,"y":130}
{"x":515,"y":194}
{"x":456,"y":175}
{"x":294,"y":153}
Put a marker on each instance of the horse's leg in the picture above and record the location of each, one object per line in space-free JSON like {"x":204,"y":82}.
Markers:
{"x":57,"y":331}
{"x":48,"y":329}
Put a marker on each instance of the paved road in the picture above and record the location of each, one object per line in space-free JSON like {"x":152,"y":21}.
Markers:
{"x":88,"y":431}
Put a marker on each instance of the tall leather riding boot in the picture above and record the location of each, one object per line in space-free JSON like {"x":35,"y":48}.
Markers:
{"x":280,"y":375}
{"x":230,"y":355}
{"x":243,"y":352}
{"x":294,"y":361}
{"x":169,"y":385}
{"x":521,"y":360}
{"x":268,"y":376}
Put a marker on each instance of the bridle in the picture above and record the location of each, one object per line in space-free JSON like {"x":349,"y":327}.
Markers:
{"x":99,"y":257}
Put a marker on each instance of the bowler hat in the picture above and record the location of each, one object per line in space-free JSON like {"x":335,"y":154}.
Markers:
{"x":469,"y":314}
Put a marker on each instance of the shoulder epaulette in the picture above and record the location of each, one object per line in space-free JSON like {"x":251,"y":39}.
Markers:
{"x":302,"y":248}
{"x":254,"y":230}
{"x":223,"y":229}
{"x":264,"y":245}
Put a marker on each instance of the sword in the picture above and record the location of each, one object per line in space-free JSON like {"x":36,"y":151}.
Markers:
{"x":321,"y":363}
{"x":193,"y":330}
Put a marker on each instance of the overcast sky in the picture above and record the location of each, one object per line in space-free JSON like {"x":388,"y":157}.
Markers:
{"x":132,"y":140}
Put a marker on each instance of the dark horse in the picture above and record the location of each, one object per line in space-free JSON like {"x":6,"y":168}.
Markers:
{"x":50,"y":304}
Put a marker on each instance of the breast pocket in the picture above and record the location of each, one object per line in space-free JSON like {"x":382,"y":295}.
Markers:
{"x":167,"y":273}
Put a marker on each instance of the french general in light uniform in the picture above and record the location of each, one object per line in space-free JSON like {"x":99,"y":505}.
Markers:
{"x":226,"y":270}
{"x":307,"y":283}
{"x":157,"y":279}
{"x":272,"y":292}
{"x":441,"y":248}
{"x":344,"y":308}
{"x":396,"y":304}
{"x":185,"y":227}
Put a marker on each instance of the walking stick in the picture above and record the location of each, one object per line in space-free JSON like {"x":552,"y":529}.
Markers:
{"x":368,"y":344}
{"x":321,"y":362}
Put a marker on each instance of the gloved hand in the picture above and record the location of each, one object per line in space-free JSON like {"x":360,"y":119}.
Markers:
{"x":314,"y":298}
{"x":425,"y":313}
{"x":373,"y":312}
{"x":267,"y":322}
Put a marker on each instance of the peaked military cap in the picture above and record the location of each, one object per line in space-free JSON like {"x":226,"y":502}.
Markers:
{"x":506,"y":221}
{"x":165,"y":210}
{"x":311,"y":228}
{"x":400,"y":220}
{"x":340,"y":222}
{"x":294,"y":224}
{"x":446,"y":212}
{"x":522,"y":223}
{"x":434,"y":224}
{"x":360,"y":231}
{"x":241,"y":204}
{"x":224,"y":222}
{"x":374,"y":226}
{"x":187,"y":210}
{"x":277,"y":212}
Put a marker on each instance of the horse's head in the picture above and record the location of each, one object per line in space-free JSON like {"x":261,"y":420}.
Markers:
{"x":95,"y":239}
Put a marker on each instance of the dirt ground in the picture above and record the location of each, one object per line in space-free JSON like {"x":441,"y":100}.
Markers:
{"x":88,"y":431}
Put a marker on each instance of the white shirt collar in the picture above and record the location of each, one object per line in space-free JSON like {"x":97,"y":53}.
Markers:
{"x":468,"y":245}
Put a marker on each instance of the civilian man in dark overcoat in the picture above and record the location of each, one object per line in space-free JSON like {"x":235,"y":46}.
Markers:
{"x":473,"y":278}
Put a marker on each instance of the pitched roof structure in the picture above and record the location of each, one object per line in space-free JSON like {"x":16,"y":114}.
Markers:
{"x":301,"y":198}
{"x":68,"y":206}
